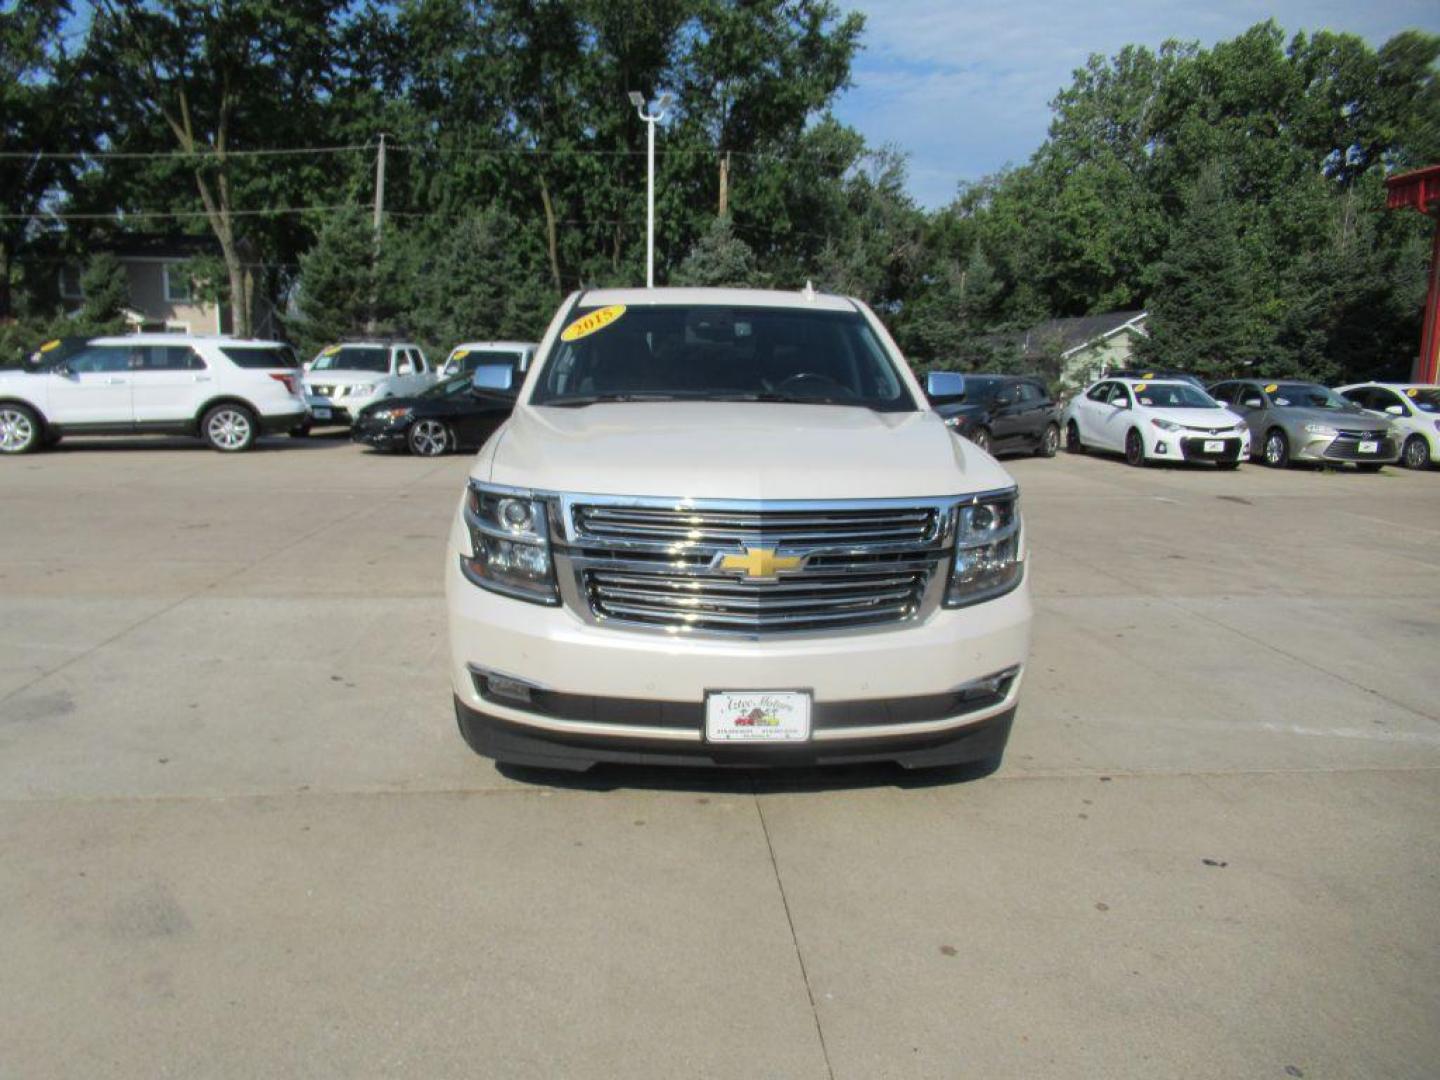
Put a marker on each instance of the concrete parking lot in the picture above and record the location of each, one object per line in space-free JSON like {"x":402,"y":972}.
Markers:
{"x":239,"y":835}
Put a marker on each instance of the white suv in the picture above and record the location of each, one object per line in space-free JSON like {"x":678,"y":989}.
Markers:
{"x":344,"y":378}
{"x":225,"y":390}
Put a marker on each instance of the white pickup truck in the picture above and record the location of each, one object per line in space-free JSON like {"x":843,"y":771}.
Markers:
{"x":724,"y":527}
{"x":344,"y":378}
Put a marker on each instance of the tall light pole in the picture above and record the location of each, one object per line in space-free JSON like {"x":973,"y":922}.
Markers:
{"x":651,"y":119}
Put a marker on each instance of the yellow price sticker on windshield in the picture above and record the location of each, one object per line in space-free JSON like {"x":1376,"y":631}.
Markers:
{"x":1140,"y":386}
{"x":1272,"y":388}
{"x":1412,"y":392}
{"x":50,"y":345}
{"x":1149,"y":375}
{"x":460,"y":354}
{"x":589,"y":324}
{"x":330,"y":350}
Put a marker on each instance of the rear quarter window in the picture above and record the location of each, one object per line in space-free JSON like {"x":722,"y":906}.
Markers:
{"x":261,"y":357}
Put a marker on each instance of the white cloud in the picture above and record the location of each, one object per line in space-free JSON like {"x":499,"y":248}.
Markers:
{"x":965,"y":89}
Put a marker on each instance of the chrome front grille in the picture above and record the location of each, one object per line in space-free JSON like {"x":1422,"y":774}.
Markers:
{"x":661,"y":564}
{"x":755,"y":527}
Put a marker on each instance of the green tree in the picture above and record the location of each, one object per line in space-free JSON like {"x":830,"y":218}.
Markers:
{"x":107,"y":293}
{"x":719,"y":257}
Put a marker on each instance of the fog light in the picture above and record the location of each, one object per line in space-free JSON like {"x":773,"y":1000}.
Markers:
{"x":499,"y":686}
{"x":1161,"y":448}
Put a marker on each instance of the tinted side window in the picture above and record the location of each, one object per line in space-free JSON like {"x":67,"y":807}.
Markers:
{"x":259,"y":357}
{"x":1250,"y":396}
{"x":1381,"y":399}
{"x":1224,"y":393}
{"x":1100,"y":393}
{"x":99,"y":358}
{"x":1030,"y":393}
{"x":167,"y":358}
{"x":1118,"y":394}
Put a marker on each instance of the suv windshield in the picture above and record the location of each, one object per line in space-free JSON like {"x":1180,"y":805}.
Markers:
{"x":353,"y":358}
{"x":468,"y":360}
{"x":1173,"y":395}
{"x":1307,"y":396}
{"x":687,"y":352}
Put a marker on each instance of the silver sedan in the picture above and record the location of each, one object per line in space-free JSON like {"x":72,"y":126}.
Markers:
{"x":1301,"y":421}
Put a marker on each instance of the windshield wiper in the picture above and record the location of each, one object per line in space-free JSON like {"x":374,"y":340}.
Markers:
{"x":579,"y":401}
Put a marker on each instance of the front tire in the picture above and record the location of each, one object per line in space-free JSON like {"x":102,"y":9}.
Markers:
{"x":429,"y":438}
{"x":229,"y":429}
{"x":1134,"y":448}
{"x":1049,"y":441}
{"x":1072,"y":438}
{"x":1417,"y":453}
{"x":20,"y":430}
{"x":1276,"y":450}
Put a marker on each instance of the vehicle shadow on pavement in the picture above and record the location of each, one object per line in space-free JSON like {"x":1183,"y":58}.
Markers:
{"x":746,"y":781}
{"x":100,"y":444}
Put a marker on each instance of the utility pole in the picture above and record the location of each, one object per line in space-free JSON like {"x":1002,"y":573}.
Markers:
{"x":651,"y":119}
{"x":725,"y":184}
{"x":378,"y":216}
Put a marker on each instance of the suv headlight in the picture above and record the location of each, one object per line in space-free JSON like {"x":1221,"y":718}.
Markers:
{"x":987,"y":560}
{"x":510,"y":535}
{"x":1165,"y":425}
{"x":1321,"y":429}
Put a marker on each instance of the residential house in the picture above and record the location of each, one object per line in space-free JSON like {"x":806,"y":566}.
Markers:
{"x":1089,"y":347}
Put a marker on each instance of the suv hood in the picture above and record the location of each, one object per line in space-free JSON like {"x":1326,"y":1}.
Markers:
{"x":735,"y":450}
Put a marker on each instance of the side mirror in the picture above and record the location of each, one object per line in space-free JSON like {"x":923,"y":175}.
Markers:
{"x":944,"y":386}
{"x":405,"y":368}
{"x":496,"y":378}
{"x":1252,"y":403}
{"x":1120,"y":403}
{"x":1395,"y":410}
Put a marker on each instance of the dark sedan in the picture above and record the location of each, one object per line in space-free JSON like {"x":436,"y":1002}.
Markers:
{"x":1004,"y":414}
{"x":452,"y":415}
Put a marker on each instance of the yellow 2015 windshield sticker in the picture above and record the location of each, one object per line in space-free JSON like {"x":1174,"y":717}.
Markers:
{"x":1139,"y":386}
{"x":1412,"y":392}
{"x":56,"y":344}
{"x":330,"y":350}
{"x":1149,"y":375}
{"x":595,"y":320}
{"x":1272,"y":388}
{"x":460,"y":354}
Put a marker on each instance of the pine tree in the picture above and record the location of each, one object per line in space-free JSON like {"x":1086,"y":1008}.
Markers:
{"x":719,"y":257}
{"x":107,"y":293}
{"x":1203,"y":314}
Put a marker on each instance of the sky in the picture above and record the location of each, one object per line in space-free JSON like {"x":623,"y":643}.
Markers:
{"x":963,"y":88}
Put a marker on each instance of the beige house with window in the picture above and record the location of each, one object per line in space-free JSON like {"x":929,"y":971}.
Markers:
{"x":162,"y":296}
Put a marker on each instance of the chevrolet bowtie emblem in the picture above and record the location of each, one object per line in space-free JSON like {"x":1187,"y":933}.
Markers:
{"x":760,"y":562}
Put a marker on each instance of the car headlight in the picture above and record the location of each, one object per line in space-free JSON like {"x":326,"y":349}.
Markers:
{"x":1321,"y":429}
{"x":363,"y":389}
{"x":510,"y":535}
{"x":987,"y":560}
{"x":391,"y":414}
{"x":1165,"y":425}
{"x":1242,"y":426}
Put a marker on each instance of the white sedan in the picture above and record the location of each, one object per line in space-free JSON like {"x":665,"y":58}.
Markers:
{"x":1413,"y":410}
{"x":1160,"y":420}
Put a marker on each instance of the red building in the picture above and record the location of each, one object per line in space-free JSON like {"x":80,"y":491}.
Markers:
{"x":1420,"y":190}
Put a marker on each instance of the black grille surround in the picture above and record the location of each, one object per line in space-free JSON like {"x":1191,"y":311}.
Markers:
{"x":845,"y":566}
{"x":1346,"y":446}
{"x":1193,"y":448}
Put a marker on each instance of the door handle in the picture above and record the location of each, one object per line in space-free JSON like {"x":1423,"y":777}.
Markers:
{"x":202,"y":378}
{"x":116,"y":382}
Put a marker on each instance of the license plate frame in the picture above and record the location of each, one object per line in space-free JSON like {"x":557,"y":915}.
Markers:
{"x":321,"y":414}
{"x":726,"y":712}
{"x":1214,"y":446}
{"x":1368,"y":446}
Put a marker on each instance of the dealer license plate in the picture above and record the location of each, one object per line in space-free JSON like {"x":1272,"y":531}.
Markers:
{"x":1214,"y":446}
{"x":321,"y":414}
{"x":1369,"y":448}
{"x":757,"y":716}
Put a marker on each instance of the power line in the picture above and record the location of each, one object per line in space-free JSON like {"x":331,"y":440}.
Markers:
{"x":127,"y":215}
{"x":145,"y":155}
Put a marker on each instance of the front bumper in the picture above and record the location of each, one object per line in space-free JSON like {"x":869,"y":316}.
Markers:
{"x":339,"y":414}
{"x":607,"y":693}
{"x":384,"y":434}
{"x":1325,"y":448}
{"x":1190,"y":445}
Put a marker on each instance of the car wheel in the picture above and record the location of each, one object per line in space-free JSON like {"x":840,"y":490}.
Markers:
{"x":229,"y":428}
{"x":1417,"y":453}
{"x":1277,"y":449}
{"x":429,"y":438}
{"x":981,"y":438}
{"x":20,"y":431}
{"x":1072,"y":438}
{"x":1134,"y":448}
{"x":1049,"y":442}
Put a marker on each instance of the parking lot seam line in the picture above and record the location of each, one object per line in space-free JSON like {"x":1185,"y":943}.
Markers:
{"x":210,"y":586}
{"x":820,"y":789}
{"x":794,"y":941}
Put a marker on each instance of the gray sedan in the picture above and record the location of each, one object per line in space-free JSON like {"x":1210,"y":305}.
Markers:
{"x":1301,"y":421}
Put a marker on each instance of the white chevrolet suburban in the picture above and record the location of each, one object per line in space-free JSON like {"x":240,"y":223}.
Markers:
{"x":225,"y":390}
{"x":344,"y":378}
{"x":724,"y":527}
